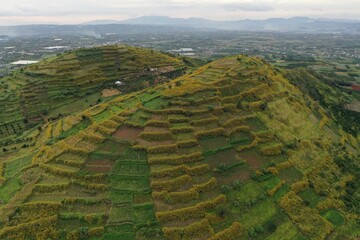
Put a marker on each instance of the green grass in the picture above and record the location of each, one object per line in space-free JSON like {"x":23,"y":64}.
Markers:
{"x":281,"y":191}
{"x":122,"y":236}
{"x":120,"y":214}
{"x":270,"y":183}
{"x":290,"y":175}
{"x":15,"y":166}
{"x":259,"y":214}
{"x":10,"y":188}
{"x":118,"y":197}
{"x":111,"y":147}
{"x":73,"y":130}
{"x":213,"y":143}
{"x":249,"y":192}
{"x":156,"y":103}
{"x":335,"y":217}
{"x":137,"y":184}
{"x":116,"y":109}
{"x":131,"y":168}
{"x":139,"y":118}
{"x":143,"y":213}
{"x":129,"y":195}
{"x":310,"y":196}
{"x":99,"y":118}
{"x":256,"y":124}
{"x":285,"y":231}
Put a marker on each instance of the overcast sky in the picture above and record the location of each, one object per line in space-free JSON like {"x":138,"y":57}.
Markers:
{"x":77,"y":11}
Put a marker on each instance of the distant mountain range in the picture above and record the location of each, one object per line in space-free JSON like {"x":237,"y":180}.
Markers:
{"x":162,"y":24}
{"x":295,"y":24}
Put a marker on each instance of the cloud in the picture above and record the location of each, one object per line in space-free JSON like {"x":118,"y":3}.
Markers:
{"x":254,"y":6}
{"x":70,"y":11}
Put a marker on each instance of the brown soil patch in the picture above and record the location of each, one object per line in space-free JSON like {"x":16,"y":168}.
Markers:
{"x":99,"y":166}
{"x":109,"y":92}
{"x":243,"y":175}
{"x":158,"y":117}
{"x":100,"y":163}
{"x":227,"y":157}
{"x":156,"y":129}
{"x":127,"y":133}
{"x":97,"y":169}
{"x":252,"y":159}
{"x":150,"y":144}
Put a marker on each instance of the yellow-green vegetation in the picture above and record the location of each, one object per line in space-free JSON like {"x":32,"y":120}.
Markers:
{"x":231,"y":151}
{"x":46,"y":89}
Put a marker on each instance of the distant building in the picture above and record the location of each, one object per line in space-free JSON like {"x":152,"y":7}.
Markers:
{"x":24,"y":62}
{"x":118,"y":83}
{"x":184,"y":51}
{"x":56,"y":47}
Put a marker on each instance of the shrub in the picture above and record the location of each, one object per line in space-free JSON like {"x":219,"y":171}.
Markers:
{"x":198,"y":170}
{"x":258,"y":105}
{"x":308,"y":220}
{"x":171,"y":185}
{"x":263,"y":136}
{"x":178,"y":119}
{"x":162,"y":149}
{"x":207,"y":186}
{"x":225,"y":188}
{"x":272,"y":150}
{"x":176,"y":160}
{"x":96,"y":231}
{"x":170,"y":172}
{"x":230,"y":107}
{"x":181,"y":170}
{"x":50,"y":187}
{"x":284,"y":165}
{"x":254,"y":143}
{"x":234,"y":232}
{"x":156,"y":136}
{"x":237,"y":121}
{"x":182,"y":130}
{"x":195,"y":230}
{"x":272,"y":191}
{"x":197,"y":211}
{"x":204,"y":121}
{"x":111,"y":124}
{"x":299,"y":186}
{"x":177,"y":197}
{"x":187,"y":143}
{"x":240,"y":129}
{"x":210,"y":133}
{"x":43,"y":227}
{"x":155,"y":123}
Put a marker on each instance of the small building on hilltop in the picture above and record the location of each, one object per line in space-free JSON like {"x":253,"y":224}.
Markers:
{"x":119,"y":83}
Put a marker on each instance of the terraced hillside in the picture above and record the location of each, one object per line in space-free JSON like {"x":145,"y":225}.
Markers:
{"x":46,"y":89}
{"x":230,"y":151}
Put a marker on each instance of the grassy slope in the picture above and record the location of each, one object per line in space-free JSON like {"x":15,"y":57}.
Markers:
{"x":330,"y":95}
{"x":75,"y":78}
{"x":232,"y":142}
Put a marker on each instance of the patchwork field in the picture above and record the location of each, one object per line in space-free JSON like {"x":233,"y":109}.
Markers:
{"x":230,"y":151}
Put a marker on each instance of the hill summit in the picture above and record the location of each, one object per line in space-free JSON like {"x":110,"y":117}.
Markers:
{"x":229,"y":151}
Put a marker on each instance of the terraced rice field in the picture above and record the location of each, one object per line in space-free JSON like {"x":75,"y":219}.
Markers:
{"x":206,"y":156}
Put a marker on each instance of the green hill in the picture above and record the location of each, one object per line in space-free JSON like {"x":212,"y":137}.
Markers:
{"x":45,"y":90}
{"x":232,"y":150}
